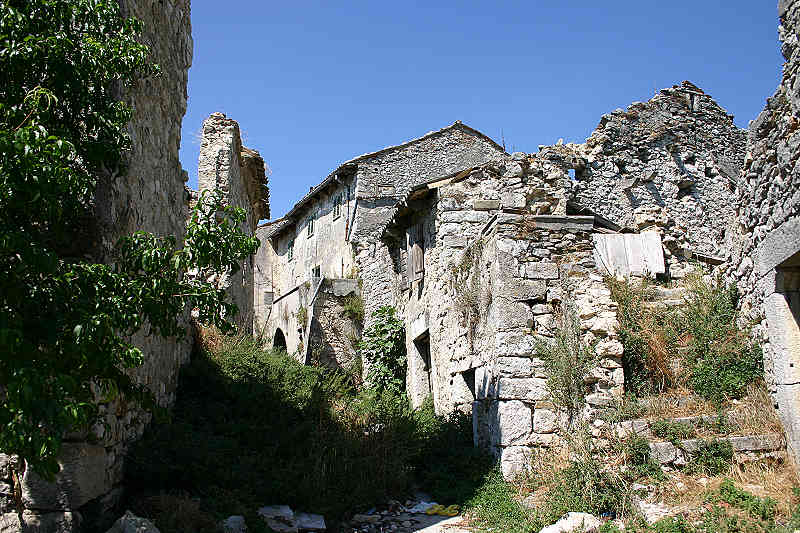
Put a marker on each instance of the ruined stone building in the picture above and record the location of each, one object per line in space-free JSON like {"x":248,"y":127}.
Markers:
{"x":478,"y":251}
{"x":239,"y":173}
{"x":149,"y":197}
{"x":333,"y":233}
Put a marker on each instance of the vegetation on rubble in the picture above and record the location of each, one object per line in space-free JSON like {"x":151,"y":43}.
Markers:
{"x":716,"y":358}
{"x":254,"y":427}
{"x":66,"y":321}
{"x":354,"y":308}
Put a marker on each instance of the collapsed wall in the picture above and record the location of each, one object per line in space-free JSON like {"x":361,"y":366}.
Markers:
{"x":149,"y":197}
{"x":239,"y":173}
{"x":669,"y":163}
{"x":765,"y":257}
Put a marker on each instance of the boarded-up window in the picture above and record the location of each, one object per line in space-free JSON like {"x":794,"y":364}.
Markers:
{"x":629,"y":253}
{"x":416,"y":253}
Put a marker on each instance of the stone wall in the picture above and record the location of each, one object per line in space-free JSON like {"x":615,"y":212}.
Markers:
{"x":765,"y":259}
{"x":500,"y":255}
{"x":335,"y":330}
{"x":239,"y":173}
{"x":149,"y":197}
{"x":671,"y":162}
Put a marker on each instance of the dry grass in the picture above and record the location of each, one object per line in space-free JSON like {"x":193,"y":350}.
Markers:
{"x":754,"y":414}
{"x":761,"y":479}
{"x":174,"y":512}
{"x":677,"y":403}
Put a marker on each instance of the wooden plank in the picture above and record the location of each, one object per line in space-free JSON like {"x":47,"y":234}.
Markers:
{"x":653,"y":252}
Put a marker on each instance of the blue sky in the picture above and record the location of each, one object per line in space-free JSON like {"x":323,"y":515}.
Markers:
{"x":314,"y":84}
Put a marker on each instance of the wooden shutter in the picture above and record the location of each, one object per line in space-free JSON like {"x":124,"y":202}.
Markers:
{"x":416,"y":253}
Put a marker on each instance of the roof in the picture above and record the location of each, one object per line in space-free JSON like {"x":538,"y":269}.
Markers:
{"x":288,"y":219}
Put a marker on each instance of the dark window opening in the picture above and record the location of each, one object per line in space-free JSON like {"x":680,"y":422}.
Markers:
{"x":315,"y":272}
{"x":290,"y":250}
{"x":469,"y":379}
{"x":337,"y":206}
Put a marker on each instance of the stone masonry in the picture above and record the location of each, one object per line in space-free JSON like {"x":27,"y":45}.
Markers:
{"x":238,"y":172}
{"x":670,"y":163}
{"x":149,"y":197}
{"x":500,"y":257}
{"x":765,"y":256}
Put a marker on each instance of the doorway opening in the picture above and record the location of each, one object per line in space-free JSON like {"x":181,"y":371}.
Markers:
{"x":279,"y":340}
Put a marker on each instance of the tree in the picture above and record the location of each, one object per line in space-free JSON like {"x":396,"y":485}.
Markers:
{"x":66,"y":321}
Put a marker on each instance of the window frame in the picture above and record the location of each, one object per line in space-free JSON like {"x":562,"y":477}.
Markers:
{"x":290,"y":250}
{"x":310,"y":226}
{"x":337,"y":206}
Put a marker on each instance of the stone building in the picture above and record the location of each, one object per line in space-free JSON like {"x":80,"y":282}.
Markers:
{"x":670,"y":163}
{"x":238,"y":172}
{"x":149,"y":197}
{"x":765,"y":256}
{"x":333,"y":233}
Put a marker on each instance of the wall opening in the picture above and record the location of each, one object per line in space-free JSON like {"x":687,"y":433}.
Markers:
{"x":422,"y":344}
{"x":279,"y":340}
{"x":469,"y":380}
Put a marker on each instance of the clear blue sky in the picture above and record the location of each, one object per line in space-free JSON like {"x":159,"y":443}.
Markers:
{"x":315,"y":84}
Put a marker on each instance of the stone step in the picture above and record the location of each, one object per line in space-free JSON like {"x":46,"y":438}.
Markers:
{"x":642,"y":426}
{"x":655,"y":304}
{"x":746,"y":448}
{"x":664,"y":293}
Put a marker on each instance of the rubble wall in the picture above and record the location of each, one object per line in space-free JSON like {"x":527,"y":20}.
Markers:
{"x":670,"y":162}
{"x":499,"y":260}
{"x":764,"y":259}
{"x":149,"y":197}
{"x":239,"y":173}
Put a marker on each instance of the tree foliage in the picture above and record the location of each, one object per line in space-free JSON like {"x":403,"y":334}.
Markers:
{"x":65,"y":320}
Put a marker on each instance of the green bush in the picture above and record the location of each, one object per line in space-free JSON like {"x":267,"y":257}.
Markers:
{"x":720,"y":359}
{"x":252,"y":427}
{"x":637,"y":453}
{"x":762,"y":508}
{"x":713,"y":457}
{"x":672,"y":431}
{"x":383,"y":348}
{"x":567,"y":360}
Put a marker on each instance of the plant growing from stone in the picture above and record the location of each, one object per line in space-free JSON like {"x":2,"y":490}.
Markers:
{"x":383,"y":349}
{"x":65,"y":320}
{"x":567,"y":360}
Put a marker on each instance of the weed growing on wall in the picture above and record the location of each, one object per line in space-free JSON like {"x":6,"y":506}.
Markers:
{"x":567,"y":359}
{"x":302,"y":317}
{"x":354,"y":308}
{"x":383,"y":349}
{"x":467,"y":286}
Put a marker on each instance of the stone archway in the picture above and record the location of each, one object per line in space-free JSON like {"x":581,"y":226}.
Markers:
{"x":279,"y":340}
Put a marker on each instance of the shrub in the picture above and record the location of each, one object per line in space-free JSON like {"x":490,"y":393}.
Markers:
{"x":672,"y":431}
{"x":252,"y":427}
{"x":637,"y":453}
{"x":713,"y":457}
{"x":383,"y":349}
{"x":762,"y":508}
{"x":645,"y":336}
{"x":354,"y":308}
{"x":720,"y":359}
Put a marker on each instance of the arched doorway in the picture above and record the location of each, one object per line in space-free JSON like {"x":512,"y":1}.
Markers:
{"x":279,"y":340}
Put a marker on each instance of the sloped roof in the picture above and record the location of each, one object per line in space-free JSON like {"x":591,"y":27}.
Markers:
{"x":288,"y":219}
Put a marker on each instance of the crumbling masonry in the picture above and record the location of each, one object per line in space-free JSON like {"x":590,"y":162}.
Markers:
{"x":477,"y":249}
